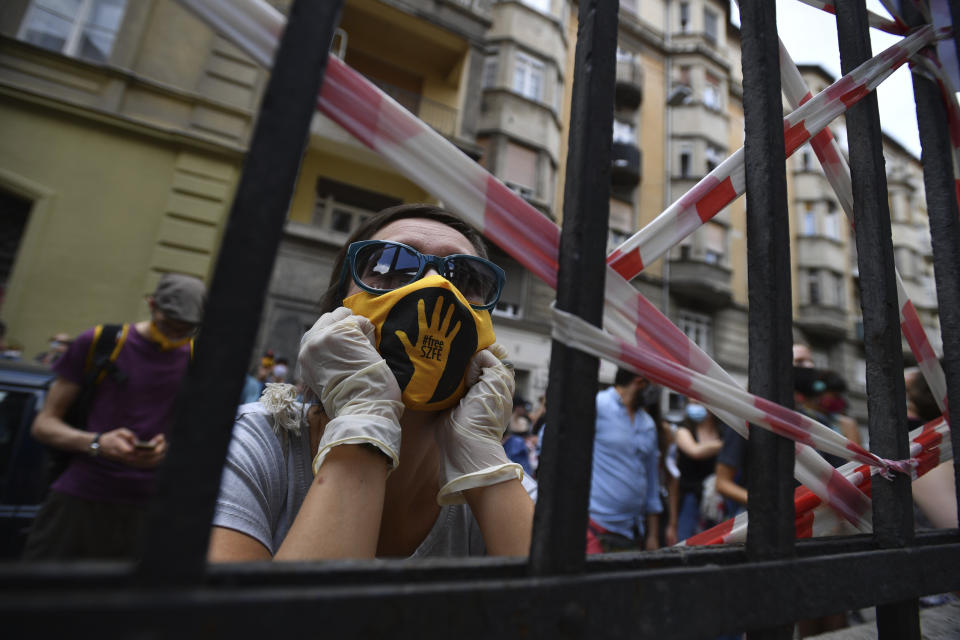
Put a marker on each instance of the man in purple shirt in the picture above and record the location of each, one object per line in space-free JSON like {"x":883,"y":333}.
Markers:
{"x":94,"y":509}
{"x":625,"y":502}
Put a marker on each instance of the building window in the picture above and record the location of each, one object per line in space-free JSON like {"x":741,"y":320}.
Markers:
{"x":685,"y":17}
{"x":903,"y":257}
{"x":490,"y":66}
{"x":78,"y":28}
{"x":558,"y":95}
{"x":528,"y":77}
{"x":712,"y":93}
{"x":520,"y":169}
{"x":510,"y":304}
{"x":805,"y":160}
{"x":624,"y":132}
{"x":710,"y":26}
{"x":698,"y":327}
{"x":832,"y":221}
{"x":714,"y":243}
{"x":838,"y":290}
{"x":336,"y":217}
{"x":686,"y":162}
{"x":809,"y":220}
{"x":813,"y":287}
{"x":13,"y":222}
{"x":621,"y":219}
{"x":714,"y":157}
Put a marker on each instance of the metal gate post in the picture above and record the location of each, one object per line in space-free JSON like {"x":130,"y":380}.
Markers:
{"x":560,"y":520}
{"x":886,"y":408}
{"x":178,"y":523}
{"x":770,"y":531}
{"x":942,"y":211}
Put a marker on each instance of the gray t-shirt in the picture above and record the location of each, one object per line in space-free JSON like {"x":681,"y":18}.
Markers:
{"x":265,"y":480}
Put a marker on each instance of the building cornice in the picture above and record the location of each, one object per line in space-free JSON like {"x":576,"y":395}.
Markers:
{"x":168,"y":135}
{"x":642,"y":31}
{"x":128,"y":76}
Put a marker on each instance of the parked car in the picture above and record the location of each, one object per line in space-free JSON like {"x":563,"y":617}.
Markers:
{"x":23,"y":464}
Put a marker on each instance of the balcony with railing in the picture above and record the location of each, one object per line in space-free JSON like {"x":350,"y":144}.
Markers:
{"x":625,"y":169}
{"x":824,"y":321}
{"x":699,"y":276}
{"x":629,"y":87}
{"x":441,"y":117}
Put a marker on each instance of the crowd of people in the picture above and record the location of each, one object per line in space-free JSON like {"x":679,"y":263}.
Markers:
{"x":398,"y":432}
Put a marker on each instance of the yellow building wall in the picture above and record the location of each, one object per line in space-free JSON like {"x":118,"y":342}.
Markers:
{"x":111,"y":210}
{"x":737,"y":211}
{"x":651,"y":132}
{"x":341,"y":168}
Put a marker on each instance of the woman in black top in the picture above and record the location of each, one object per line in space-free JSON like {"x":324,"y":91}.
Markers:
{"x":699,"y":440}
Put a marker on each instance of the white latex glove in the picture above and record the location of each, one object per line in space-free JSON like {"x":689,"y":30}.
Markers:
{"x":360,"y":394}
{"x":471,"y":434}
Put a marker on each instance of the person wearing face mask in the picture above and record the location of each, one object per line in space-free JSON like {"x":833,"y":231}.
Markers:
{"x":94,"y":508}
{"x":625,"y":503}
{"x":396,"y":450}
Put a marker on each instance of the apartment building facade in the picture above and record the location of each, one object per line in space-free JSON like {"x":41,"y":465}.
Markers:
{"x":125,"y":123}
{"x":826,"y":301}
{"x":122,"y":131}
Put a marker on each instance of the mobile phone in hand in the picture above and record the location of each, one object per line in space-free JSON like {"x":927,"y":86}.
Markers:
{"x":145,"y":444}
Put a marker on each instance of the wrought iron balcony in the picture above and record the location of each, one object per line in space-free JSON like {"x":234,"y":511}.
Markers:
{"x":625,"y":164}
{"x":629,"y":88}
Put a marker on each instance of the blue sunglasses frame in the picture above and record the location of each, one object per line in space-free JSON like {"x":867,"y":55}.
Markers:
{"x":423,"y":260}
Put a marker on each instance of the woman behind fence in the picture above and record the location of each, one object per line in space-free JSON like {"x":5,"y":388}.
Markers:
{"x":402,"y":455}
{"x":699,"y":440}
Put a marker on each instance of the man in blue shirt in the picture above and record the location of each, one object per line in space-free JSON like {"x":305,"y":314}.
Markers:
{"x":625,"y":487}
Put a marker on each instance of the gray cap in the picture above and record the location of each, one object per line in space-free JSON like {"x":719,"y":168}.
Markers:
{"x":180,"y":297}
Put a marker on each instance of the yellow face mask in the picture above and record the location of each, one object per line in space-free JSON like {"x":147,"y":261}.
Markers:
{"x":427,"y":332}
{"x":163,"y":341}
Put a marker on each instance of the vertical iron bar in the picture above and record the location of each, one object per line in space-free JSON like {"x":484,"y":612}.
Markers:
{"x":942,"y":211}
{"x":955,"y":19}
{"x":770,"y":531}
{"x":560,"y":521}
{"x":886,"y":409}
{"x":178,"y":522}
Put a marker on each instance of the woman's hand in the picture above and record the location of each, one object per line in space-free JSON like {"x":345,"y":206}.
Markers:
{"x":358,"y":391}
{"x":470,"y":435}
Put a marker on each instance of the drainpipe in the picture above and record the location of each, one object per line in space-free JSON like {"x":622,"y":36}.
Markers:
{"x":667,"y":190}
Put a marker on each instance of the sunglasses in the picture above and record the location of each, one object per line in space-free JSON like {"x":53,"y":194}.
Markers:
{"x":379,"y":266}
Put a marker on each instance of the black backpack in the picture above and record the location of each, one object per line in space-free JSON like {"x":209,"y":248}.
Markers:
{"x":108,"y":341}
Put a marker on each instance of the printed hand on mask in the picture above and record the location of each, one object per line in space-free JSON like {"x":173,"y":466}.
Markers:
{"x":471,"y":433}
{"x":433,"y":344}
{"x":358,"y":391}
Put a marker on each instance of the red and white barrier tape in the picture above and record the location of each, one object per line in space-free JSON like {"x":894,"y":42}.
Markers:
{"x":837,"y":172}
{"x":432,"y":162}
{"x":727,"y":181}
{"x":929,"y":446}
{"x":571,"y":329}
{"x":895,"y":26}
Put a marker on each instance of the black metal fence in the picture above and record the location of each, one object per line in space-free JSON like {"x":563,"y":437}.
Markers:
{"x":762,"y":587}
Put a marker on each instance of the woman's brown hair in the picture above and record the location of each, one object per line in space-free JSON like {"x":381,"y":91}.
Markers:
{"x":333,"y":297}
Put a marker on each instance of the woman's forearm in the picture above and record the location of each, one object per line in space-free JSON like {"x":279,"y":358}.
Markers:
{"x":727,"y":487}
{"x":340,"y":516}
{"x":504,"y":512}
